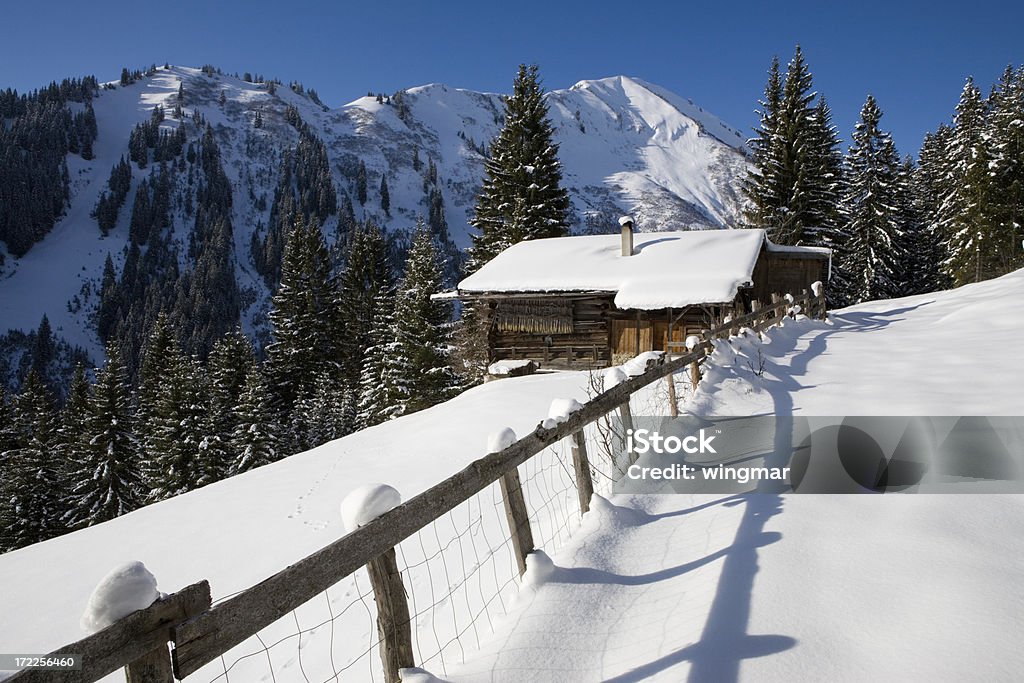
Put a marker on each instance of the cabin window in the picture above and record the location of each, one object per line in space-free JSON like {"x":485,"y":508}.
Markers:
{"x":537,"y":316}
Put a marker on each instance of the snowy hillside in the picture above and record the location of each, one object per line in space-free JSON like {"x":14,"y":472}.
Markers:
{"x":626,"y":146}
{"x":739,"y":588}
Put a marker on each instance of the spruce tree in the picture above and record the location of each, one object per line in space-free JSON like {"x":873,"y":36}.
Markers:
{"x":763,"y":187}
{"x":8,"y":442}
{"x":33,"y":485}
{"x":874,"y":256}
{"x":522,"y":197}
{"x":107,"y":313}
{"x":423,"y":328}
{"x":74,"y":420}
{"x":385,"y":196}
{"x":966,"y":218}
{"x":1005,"y":137}
{"x":107,"y":482}
{"x":361,"y":182}
{"x":365,"y":284}
{"x":44,"y":349}
{"x":382,"y":380}
{"x":304,"y":317}
{"x":919,"y":273}
{"x":228,"y":366}
{"x":794,"y":189}
{"x":932,"y":184}
{"x":181,"y":447}
{"x":254,"y":441}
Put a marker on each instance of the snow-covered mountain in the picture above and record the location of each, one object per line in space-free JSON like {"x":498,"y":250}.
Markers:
{"x":626,"y":146}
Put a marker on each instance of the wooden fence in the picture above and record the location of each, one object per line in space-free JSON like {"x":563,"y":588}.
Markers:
{"x":182,"y":632}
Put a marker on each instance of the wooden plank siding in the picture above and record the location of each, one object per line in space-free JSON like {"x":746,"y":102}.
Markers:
{"x":585,"y":346}
{"x":784,"y":273}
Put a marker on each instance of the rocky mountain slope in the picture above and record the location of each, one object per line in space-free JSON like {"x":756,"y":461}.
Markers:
{"x":626,"y":146}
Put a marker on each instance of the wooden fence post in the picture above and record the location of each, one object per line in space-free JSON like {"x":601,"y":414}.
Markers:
{"x":626,"y":417}
{"x":584,"y":484}
{"x":673,"y":404}
{"x":517,"y":516}
{"x":153,"y":667}
{"x":393,"y":622}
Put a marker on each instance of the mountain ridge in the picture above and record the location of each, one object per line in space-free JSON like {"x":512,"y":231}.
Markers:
{"x":626,"y":146}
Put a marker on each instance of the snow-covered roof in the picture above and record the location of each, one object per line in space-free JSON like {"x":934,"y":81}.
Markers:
{"x":667,"y":269}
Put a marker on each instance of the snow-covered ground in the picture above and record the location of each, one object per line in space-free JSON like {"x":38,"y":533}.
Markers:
{"x":775,"y":588}
{"x":804,"y":587}
{"x":237,"y":532}
{"x":763,"y":587}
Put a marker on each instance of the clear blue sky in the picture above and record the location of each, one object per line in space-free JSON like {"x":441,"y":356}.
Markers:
{"x":913,"y":56}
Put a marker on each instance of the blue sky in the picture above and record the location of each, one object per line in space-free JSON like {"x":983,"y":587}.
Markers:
{"x":913,"y":56}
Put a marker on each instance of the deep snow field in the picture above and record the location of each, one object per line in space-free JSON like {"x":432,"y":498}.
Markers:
{"x":757,"y":587}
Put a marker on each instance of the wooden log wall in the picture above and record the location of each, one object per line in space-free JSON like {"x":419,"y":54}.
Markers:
{"x":586,"y":346}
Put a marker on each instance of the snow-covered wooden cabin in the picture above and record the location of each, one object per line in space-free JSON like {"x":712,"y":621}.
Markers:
{"x":592,"y":300}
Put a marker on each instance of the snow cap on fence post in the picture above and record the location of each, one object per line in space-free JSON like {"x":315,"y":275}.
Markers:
{"x":128,"y":588}
{"x":500,"y":440}
{"x":562,"y":408}
{"x":613,"y":377}
{"x":692,"y":342}
{"x":817,"y":287}
{"x":367,"y":503}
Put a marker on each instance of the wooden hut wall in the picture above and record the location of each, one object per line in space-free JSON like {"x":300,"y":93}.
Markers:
{"x":785,"y":273}
{"x":653,"y":328}
{"x":570,"y":331}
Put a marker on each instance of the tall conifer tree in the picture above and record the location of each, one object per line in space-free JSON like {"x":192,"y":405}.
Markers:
{"x":874,"y":256}
{"x":522,"y":197}
{"x":794,"y":190}
{"x":304,"y":317}
{"x":107,"y":482}
{"x":33,"y":485}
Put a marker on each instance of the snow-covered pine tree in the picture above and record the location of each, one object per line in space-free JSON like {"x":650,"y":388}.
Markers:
{"x":382,"y":387}
{"x":158,"y":355}
{"x":522,"y":197}
{"x":762,"y":187}
{"x":254,"y":441}
{"x":874,"y":256}
{"x":1005,"y":137}
{"x":182,"y":451}
{"x":305,"y":318}
{"x":33,"y":482}
{"x":361,"y":182}
{"x":965,"y":211}
{"x":43,"y":350}
{"x":8,"y":442}
{"x":920,"y":269}
{"x":108,"y":480}
{"x":793,"y":189}
{"x":366,"y":276}
{"x":932,"y":184}
{"x":229,"y":364}
{"x":385,"y":195}
{"x":827,"y":219}
{"x":324,"y":413}
{"x":74,"y":419}
{"x":423,"y":327}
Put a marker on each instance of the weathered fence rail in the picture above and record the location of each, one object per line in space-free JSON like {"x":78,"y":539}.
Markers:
{"x":181,"y":633}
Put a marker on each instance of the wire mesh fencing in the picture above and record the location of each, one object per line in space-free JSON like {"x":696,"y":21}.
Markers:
{"x":460,"y":575}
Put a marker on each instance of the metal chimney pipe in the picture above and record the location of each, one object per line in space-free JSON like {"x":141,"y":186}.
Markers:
{"x":626,"y":222}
